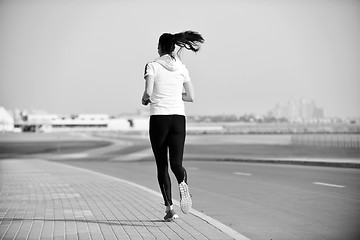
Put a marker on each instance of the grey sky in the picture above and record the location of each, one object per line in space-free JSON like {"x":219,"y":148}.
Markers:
{"x":88,"y":56}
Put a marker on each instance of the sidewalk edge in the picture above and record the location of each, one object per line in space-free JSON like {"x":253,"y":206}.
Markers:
{"x":227,"y":230}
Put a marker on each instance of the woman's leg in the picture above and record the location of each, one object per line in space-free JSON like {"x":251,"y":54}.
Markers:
{"x":158,"y":137}
{"x":176,"y":142}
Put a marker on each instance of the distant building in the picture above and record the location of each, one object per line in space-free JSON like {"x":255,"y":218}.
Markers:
{"x":6,"y":121}
{"x":302,"y":110}
{"x":80,"y":121}
{"x":43,"y":122}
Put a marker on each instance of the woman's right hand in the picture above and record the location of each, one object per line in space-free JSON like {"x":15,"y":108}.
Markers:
{"x":145,"y":102}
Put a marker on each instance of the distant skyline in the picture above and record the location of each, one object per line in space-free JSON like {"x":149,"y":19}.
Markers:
{"x":88,"y":56}
{"x":142,"y":110}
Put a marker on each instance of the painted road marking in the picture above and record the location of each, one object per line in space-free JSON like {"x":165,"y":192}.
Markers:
{"x":328,"y":184}
{"x":243,"y":174}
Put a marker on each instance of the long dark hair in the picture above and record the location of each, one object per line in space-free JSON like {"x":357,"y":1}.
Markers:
{"x":189,"y":40}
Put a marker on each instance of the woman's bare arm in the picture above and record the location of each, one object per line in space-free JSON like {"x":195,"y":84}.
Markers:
{"x":189,"y":94}
{"x":149,"y":86}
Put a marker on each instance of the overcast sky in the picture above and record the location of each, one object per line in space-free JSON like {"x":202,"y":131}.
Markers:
{"x":86,"y":56}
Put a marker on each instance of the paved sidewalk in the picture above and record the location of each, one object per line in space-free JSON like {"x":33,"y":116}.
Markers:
{"x":47,"y":200}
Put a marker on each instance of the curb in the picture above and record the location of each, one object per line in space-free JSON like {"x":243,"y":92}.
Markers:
{"x":227,"y":230}
{"x":346,"y":163}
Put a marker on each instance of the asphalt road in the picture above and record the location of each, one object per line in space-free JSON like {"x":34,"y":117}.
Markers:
{"x":262,"y":201}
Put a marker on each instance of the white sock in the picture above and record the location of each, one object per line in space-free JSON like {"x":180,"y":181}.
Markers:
{"x":168,"y":208}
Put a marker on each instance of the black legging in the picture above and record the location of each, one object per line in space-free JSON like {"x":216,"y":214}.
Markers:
{"x":168,"y":132}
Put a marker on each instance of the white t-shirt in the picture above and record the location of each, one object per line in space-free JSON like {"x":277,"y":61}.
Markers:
{"x":169,"y":77}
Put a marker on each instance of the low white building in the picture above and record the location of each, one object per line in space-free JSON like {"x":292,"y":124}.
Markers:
{"x":43,"y":122}
{"x":6,"y":121}
{"x":81,"y":121}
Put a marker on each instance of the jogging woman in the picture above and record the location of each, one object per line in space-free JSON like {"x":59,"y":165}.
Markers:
{"x":165,"y":79}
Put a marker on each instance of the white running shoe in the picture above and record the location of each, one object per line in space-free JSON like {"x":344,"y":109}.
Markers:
{"x":185,"y":198}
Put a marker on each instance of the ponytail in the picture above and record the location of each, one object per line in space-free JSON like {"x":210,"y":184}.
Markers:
{"x":189,"y":40}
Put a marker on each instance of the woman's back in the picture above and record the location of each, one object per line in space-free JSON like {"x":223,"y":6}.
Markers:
{"x":169,"y":76}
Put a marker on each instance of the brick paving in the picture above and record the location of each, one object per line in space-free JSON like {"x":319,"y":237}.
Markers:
{"x":46,"y":200}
